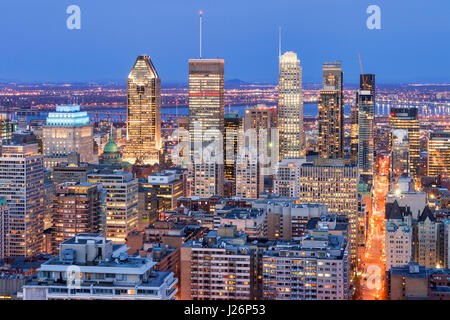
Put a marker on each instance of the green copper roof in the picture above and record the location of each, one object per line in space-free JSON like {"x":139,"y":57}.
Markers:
{"x":111,"y":146}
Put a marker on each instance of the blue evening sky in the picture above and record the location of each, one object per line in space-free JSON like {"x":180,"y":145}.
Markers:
{"x":35,"y":45}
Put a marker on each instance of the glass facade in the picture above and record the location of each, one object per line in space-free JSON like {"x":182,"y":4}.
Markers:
{"x":331,"y":112}
{"x":290,"y":107}
{"x":143,"y":113}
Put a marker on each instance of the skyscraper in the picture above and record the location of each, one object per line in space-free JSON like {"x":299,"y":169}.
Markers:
{"x":76,"y":208}
{"x":143,"y":113}
{"x":67,"y":130}
{"x":365,"y":104}
{"x":331,"y":112}
{"x":258,"y":151}
{"x":408,"y":119}
{"x":290,"y":107}
{"x":206,"y":126}
{"x":439,"y":153}
{"x":232,"y":126}
{"x":121,"y":202}
{"x":22,"y":184}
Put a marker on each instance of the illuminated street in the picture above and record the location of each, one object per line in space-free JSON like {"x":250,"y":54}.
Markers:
{"x":372,"y":284}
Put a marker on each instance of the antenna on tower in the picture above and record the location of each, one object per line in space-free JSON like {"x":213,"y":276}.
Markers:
{"x":279,"y":42}
{"x":201,"y":18}
{"x":362,"y":72}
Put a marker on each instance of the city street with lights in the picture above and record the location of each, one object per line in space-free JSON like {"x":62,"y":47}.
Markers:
{"x":372,"y":285}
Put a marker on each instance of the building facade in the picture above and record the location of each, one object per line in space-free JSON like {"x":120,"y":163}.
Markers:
{"x":290,"y":107}
{"x":67,"y":130}
{"x":143,"y":113}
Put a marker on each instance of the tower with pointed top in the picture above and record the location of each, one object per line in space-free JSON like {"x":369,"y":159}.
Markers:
{"x":143,"y":113}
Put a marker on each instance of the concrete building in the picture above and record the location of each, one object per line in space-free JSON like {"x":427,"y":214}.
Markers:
{"x":329,"y":182}
{"x":251,"y":221}
{"x":4,"y":210}
{"x":216,"y":268}
{"x":287,"y":220}
{"x":22,"y":184}
{"x":121,"y":202}
{"x":90,"y":267}
{"x":168,"y":185}
{"x":68,"y":130}
{"x":427,"y":251}
{"x":399,"y":235}
{"x":76,"y":208}
{"x":316,"y":269}
{"x":72,"y":170}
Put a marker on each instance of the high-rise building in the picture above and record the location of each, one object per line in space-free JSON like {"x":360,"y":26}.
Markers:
{"x":335,"y":184}
{"x":143,"y":113}
{"x":429,"y":232}
{"x":4,"y":210}
{"x":258,"y":151}
{"x":67,"y":130}
{"x":6,"y":127}
{"x":399,"y":154}
{"x":365,"y":104}
{"x":101,"y":271}
{"x":439,"y":153}
{"x":22,"y":184}
{"x":121,"y":202}
{"x":331,"y":112}
{"x":408,"y":119}
{"x":290,"y":107}
{"x":216,"y":269}
{"x":206,"y":126}
{"x":168,"y":186}
{"x":232,"y":126}
{"x":76,"y":208}
{"x":316,"y":269}
{"x":72,"y":170}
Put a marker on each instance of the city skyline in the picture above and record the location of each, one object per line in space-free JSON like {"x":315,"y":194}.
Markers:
{"x":60,"y":54}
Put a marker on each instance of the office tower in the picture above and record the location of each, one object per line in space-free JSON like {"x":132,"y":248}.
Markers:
{"x":6,"y":127}
{"x":365,"y":104}
{"x":22,"y":184}
{"x":258,"y":151}
{"x":206,"y":126}
{"x":216,"y":269}
{"x":398,"y":236}
{"x":233,"y":126}
{"x":105,"y":272}
{"x":286,"y":183}
{"x":290,"y":107}
{"x":76,"y":208}
{"x":121,"y":202}
{"x":439,"y":153}
{"x":331,"y":112}
{"x":399,"y":154}
{"x":354,"y":134}
{"x":143,"y":113}
{"x":4,"y":210}
{"x":287,"y":220}
{"x":168,"y":186}
{"x":408,"y":119}
{"x":67,"y":130}
{"x":315,"y":269}
{"x":72,"y":170}
{"x":147,"y":206}
{"x":335,"y":184}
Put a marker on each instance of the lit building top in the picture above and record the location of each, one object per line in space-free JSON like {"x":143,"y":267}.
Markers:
{"x":68,"y":116}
